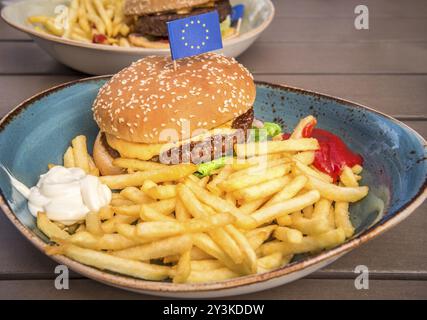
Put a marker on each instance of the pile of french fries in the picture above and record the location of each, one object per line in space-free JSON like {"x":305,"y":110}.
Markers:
{"x":99,"y":21}
{"x":253,"y":215}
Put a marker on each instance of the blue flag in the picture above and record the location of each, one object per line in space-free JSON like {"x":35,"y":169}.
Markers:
{"x":237,"y":12}
{"x":194,"y":35}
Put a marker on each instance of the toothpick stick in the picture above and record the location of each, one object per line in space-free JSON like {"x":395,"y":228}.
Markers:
{"x":239,"y":24}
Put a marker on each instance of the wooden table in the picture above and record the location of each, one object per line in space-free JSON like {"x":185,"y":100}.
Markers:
{"x":311,"y":44}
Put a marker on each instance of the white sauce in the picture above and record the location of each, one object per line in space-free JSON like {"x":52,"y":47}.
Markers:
{"x":66,"y":195}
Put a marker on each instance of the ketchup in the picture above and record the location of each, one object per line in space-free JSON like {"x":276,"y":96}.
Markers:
{"x":333,"y":154}
{"x":99,"y":38}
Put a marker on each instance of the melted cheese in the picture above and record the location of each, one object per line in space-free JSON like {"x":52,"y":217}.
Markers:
{"x":146,"y":151}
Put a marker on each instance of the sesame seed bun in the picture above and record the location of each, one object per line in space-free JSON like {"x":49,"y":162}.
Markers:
{"x":149,"y":96}
{"x":140,"y":7}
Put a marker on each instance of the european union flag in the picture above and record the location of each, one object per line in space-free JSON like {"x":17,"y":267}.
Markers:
{"x":194,"y":35}
{"x":237,"y":12}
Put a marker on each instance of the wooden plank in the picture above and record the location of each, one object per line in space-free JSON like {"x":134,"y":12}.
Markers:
{"x":392,"y":253}
{"x":336,"y":58}
{"x":28,"y":58}
{"x":338,"y":8}
{"x":15,"y":89}
{"x":401,"y":96}
{"x":301,"y":289}
{"x":265,"y":57}
{"x":9,"y":33}
{"x":317,"y":29}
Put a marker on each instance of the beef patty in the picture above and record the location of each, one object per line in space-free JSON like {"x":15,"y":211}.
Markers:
{"x":155,"y":24}
{"x":200,"y":151}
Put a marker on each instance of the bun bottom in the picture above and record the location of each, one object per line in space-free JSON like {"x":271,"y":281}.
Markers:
{"x":103,"y":160}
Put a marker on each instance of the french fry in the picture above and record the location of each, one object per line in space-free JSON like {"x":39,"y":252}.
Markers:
{"x":49,"y":228}
{"x":302,"y":124}
{"x":204,"y":265}
{"x":291,"y":145}
{"x":240,"y":164}
{"x":321,"y":209}
{"x":83,"y":20}
{"x":211,"y":275}
{"x":164,"y":207}
{"x":219,"y":204}
{"x":205,"y":243}
{"x":81,"y":157}
{"x":171,"y":173}
{"x":308,"y":212}
{"x":284,"y":221}
{"x":93,"y":223}
{"x":305,"y":157}
{"x":262,"y":190}
{"x":260,"y":167}
{"x":348,"y":178}
{"x":181,"y":213}
{"x":123,"y":42}
{"x":136,"y":164}
{"x":288,"y":235}
{"x":183,"y":268}
{"x":109,"y":226}
{"x":222,"y":176}
{"x":196,"y":254}
{"x":251,"y":206}
{"x":121,"y":202}
{"x":288,"y":191}
{"x":306,"y":170}
{"x":250,"y":180}
{"x":112,"y":241}
{"x":228,"y":244}
{"x":135,"y":195}
{"x":269,"y":262}
{"x":161,"y":229}
{"x":249,"y":254}
{"x":69,"y":158}
{"x":331,"y":219}
{"x":258,"y":236}
{"x":93,"y":170}
{"x":337,"y":193}
{"x":309,"y":226}
{"x":325,"y":240}
{"x":106,"y":261}
{"x":72,"y":17}
{"x":104,"y":17}
{"x":157,"y":249}
{"x":147,"y":213}
{"x":267,"y":214}
{"x":342,"y":219}
{"x":157,"y":192}
{"x":357,"y":169}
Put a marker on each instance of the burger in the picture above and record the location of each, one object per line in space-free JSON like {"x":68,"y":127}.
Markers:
{"x":151,"y":17}
{"x":149,"y":111}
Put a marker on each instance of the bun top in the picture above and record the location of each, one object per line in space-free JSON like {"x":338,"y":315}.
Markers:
{"x":149,"y":96}
{"x":141,"y":7}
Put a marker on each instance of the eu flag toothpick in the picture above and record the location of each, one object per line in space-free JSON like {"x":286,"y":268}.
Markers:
{"x":194,"y":35}
{"x":237,"y":12}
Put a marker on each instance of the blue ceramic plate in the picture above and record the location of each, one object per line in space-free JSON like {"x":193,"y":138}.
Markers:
{"x":38,"y":131}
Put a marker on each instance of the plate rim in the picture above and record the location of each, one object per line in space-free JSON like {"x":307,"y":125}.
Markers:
{"x":131,"y":283}
{"x":93,"y":46}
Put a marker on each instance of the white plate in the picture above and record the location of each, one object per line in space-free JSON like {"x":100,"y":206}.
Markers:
{"x":102,"y":59}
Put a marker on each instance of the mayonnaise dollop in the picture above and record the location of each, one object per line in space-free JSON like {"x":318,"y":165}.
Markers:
{"x":66,"y":195}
